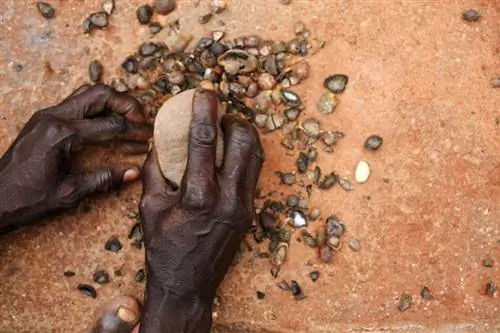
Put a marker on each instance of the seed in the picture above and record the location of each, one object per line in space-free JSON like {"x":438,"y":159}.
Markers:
{"x":373,"y":142}
{"x":309,"y":190}
{"x":131,"y":64}
{"x":266,"y":81}
{"x":176,"y":77}
{"x":164,"y":7}
{"x":314,"y":214}
{"x":204,"y":19}
{"x":426,"y":294}
{"x":311,"y":127}
{"x":345,"y":184}
{"x":293,"y":46}
{"x":327,"y":102}
{"x":308,"y":239}
{"x":292,"y":200}
{"x":277,"y":120}
{"x":471,"y":15}
{"x":155,"y":27}
{"x":140,"y":275}
{"x":290,"y":97}
{"x":117,"y":272}
{"x":267,"y":220}
{"x":296,"y":290}
{"x":488,"y":262}
{"x":333,"y":242}
{"x":490,"y":289}
{"x":95,"y":70}
{"x":299,"y":28}
{"x":325,"y":253}
{"x":178,"y":43}
{"x":404,"y":302}
{"x":161,"y":85}
{"x":238,"y":62}
{"x":260,"y":295}
{"x":354,"y":244}
{"x":261,"y":120}
{"x":136,"y":236}
{"x":328,"y":182}
{"x":334,"y":227}
{"x":87,"y":25}
{"x":99,"y":19}
{"x":278,"y":256}
{"x":317,"y":175}
{"x":148,"y":49}
{"x":314,"y":275}
{"x":101,"y":277}
{"x":321,"y":236}
{"x":302,"y":162}
{"x":495,"y":82}
{"x":69,"y":274}
{"x":108,"y":6}
{"x":362,"y":172}
{"x":283,"y":285}
{"x":299,"y":220}
{"x":88,"y":290}
{"x":292,"y":113}
{"x":144,"y":14}
{"x":45,"y":9}
{"x":218,"y":6}
{"x":119,"y":85}
{"x":312,"y":154}
{"x":336,"y":83}
{"x":275,"y":271}
{"x":287,"y":178}
{"x":271,"y":65}
{"x":113,"y":244}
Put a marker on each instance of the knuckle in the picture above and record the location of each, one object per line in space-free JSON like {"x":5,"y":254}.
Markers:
{"x":204,"y":134}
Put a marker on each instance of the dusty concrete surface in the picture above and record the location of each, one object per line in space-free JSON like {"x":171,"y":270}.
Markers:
{"x":429,"y":215}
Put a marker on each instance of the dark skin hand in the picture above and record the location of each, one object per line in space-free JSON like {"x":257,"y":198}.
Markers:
{"x":36,"y":174}
{"x":192,"y":234}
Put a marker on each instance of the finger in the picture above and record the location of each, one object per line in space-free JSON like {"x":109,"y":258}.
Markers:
{"x":97,"y":99}
{"x":154,"y":183}
{"x":199,"y":178}
{"x":253,"y":170}
{"x":240,"y":140}
{"x":134,"y":148}
{"x":77,"y":91}
{"x":103,"y":180}
{"x":120,"y":315}
{"x":107,"y":128}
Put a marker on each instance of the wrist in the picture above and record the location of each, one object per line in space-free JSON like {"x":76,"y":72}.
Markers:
{"x":166,"y":311}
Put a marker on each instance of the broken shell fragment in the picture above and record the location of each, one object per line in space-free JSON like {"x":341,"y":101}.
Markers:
{"x":311,"y":127}
{"x":362,"y":172}
{"x":238,"y":62}
{"x":278,"y":257}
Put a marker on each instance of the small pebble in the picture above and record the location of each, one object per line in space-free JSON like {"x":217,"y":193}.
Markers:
{"x":45,"y":9}
{"x":292,"y":200}
{"x":164,"y":7}
{"x":155,"y":27}
{"x":95,"y":70}
{"x":108,"y":6}
{"x":426,"y":294}
{"x":354,"y":244}
{"x":362,"y":172}
{"x":471,"y":15}
{"x":117,"y":272}
{"x":336,"y":83}
{"x":283,"y":285}
{"x":101,"y":277}
{"x":404,"y":302}
{"x":69,"y":274}
{"x":113,"y":244}
{"x":88,"y":290}
{"x":495,"y":82}
{"x":490,"y":289}
{"x":260,"y":295}
{"x":266,"y":81}
{"x":299,"y":220}
{"x":314,"y":214}
{"x":345,"y":184}
{"x":218,"y":6}
{"x":140,"y":275}
{"x":296,"y":289}
{"x":99,"y":20}
{"x":488,"y":262}
{"x":144,"y":14}
{"x":314,"y":275}
{"x":373,"y":142}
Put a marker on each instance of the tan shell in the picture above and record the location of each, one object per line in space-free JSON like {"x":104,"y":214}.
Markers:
{"x":171,"y":134}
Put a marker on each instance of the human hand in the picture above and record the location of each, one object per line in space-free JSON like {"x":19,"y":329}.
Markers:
{"x":36,"y":177}
{"x":192,"y":234}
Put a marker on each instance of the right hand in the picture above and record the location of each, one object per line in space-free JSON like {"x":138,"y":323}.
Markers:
{"x":192,"y":234}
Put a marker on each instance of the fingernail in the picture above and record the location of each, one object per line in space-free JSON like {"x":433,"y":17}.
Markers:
{"x":130,"y":175}
{"x":127,"y":315}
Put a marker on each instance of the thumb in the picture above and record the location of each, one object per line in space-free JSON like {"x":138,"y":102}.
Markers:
{"x":103,"y":180}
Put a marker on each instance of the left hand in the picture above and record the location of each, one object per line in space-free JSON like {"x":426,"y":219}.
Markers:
{"x":36,"y":177}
